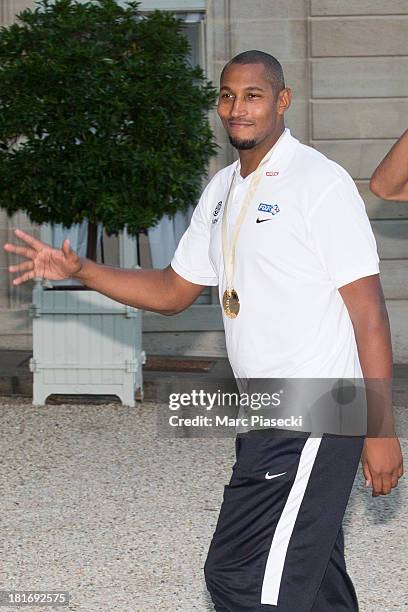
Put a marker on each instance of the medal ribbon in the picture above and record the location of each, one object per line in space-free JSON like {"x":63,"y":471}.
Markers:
{"x":228,"y":250}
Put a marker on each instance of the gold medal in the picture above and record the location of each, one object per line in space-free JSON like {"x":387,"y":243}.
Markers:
{"x":230,"y":302}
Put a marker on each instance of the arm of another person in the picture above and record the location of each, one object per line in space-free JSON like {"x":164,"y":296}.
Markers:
{"x":390,"y":179}
{"x":381,"y":458}
{"x":162,"y":291}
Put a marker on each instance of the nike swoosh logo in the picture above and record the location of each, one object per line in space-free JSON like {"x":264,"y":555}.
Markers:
{"x":262,"y":220}
{"x":269,"y":476}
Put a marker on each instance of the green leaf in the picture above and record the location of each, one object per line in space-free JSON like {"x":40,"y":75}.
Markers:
{"x":101,"y":117}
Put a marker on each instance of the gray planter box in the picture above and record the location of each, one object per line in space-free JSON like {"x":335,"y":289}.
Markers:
{"x":85,"y":343}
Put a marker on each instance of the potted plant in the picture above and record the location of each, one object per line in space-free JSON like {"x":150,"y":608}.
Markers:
{"x":101,"y":119}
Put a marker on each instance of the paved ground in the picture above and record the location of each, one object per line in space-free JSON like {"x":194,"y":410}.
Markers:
{"x":95,"y":504}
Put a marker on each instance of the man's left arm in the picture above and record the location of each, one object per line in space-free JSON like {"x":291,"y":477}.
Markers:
{"x":381,"y":458}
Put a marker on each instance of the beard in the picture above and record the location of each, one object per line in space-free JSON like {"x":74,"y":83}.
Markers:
{"x":242,"y":145}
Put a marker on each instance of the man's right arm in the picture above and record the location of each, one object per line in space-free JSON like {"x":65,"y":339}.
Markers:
{"x":162,"y":291}
{"x":390,"y":179}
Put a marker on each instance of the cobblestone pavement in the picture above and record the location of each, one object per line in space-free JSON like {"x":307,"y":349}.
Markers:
{"x":95,"y":504}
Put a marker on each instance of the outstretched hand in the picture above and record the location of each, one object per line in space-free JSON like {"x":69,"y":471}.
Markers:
{"x":42,"y":260}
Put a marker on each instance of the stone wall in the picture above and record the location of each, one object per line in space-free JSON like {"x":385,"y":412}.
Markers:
{"x":359,"y":106}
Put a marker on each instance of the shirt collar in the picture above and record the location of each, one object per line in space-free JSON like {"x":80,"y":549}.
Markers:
{"x":279,"y":159}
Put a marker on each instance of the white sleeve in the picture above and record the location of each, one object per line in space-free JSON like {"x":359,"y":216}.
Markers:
{"x":342,"y":234}
{"x":191,"y":259}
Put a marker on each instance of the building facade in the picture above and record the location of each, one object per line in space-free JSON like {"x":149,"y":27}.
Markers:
{"x":347,"y":64}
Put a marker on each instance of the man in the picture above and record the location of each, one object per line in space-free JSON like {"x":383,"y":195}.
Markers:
{"x":390,"y":179}
{"x":284,"y":234}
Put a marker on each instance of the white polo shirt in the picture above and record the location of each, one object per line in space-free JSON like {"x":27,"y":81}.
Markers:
{"x":306,"y":233}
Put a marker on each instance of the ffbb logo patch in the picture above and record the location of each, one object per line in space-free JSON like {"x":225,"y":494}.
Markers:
{"x":273,"y":209}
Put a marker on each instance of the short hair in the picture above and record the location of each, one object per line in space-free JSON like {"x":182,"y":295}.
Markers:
{"x":273,"y":68}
